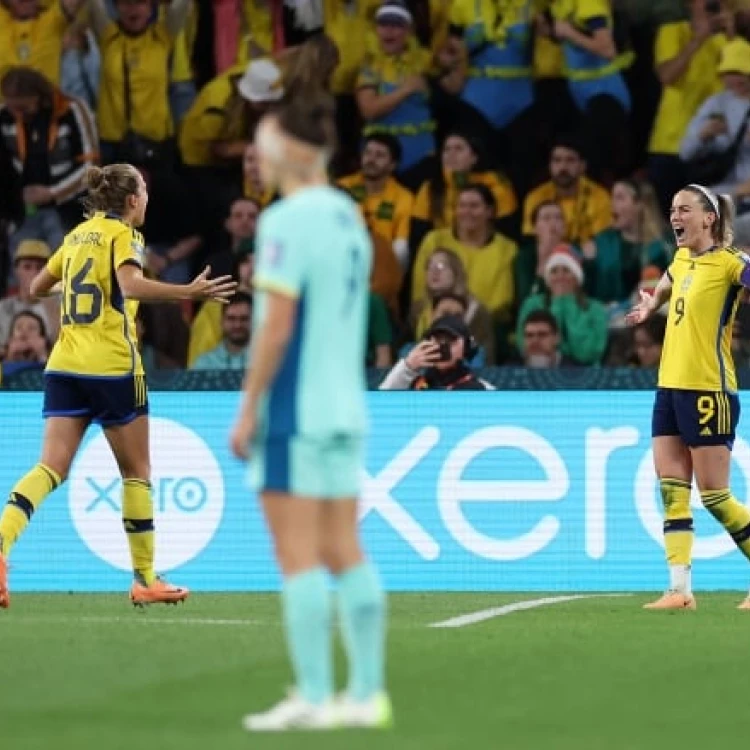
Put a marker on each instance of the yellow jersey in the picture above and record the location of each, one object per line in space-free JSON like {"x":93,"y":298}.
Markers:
{"x":97,"y":332}
{"x":147,"y":58}
{"x":501,"y":188}
{"x":697,"y":354}
{"x":681,"y":100}
{"x":36,"y":42}
{"x":387,"y":214}
{"x":205,"y":121}
{"x":587,"y":213}
{"x":489,"y":270}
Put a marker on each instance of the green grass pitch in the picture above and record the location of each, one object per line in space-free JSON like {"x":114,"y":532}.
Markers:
{"x":87,"y":672}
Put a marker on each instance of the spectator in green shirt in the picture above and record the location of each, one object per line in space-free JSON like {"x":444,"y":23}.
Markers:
{"x":379,"y":334}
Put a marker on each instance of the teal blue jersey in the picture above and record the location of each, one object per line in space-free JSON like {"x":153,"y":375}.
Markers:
{"x":314,"y":247}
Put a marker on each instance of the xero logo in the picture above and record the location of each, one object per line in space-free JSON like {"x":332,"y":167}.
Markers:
{"x":188,"y":491}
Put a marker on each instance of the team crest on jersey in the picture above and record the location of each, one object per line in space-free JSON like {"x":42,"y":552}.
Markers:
{"x":686,"y":282}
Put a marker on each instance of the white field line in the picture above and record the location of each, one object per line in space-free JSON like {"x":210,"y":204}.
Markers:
{"x":508,"y":609}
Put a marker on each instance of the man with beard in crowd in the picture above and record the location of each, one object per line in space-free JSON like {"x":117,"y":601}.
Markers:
{"x":586,"y":205}
{"x":236,"y":324}
{"x":385,"y":204}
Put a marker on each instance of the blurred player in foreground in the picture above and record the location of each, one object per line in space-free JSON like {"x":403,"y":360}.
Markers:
{"x":697,"y":408}
{"x":94,"y":373}
{"x":304,"y":405}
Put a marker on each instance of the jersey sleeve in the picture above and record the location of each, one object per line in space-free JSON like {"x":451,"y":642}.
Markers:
{"x":737,"y":264}
{"x":127,"y":248}
{"x":668,"y":43}
{"x":55,"y":264}
{"x":279,"y":265}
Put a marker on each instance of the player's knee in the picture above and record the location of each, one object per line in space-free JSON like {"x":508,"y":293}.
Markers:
{"x":340,"y":555}
{"x":294,"y":555}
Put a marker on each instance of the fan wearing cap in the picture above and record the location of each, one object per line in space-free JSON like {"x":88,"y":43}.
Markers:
{"x":393,"y":92}
{"x":582,"y":321}
{"x":439,"y":361}
{"x":220,"y":124}
{"x":697,"y":408}
{"x":31,"y":257}
{"x":721,"y":125}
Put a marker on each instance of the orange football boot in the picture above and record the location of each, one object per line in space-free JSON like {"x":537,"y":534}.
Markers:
{"x":159,"y":592}
{"x":4,"y":593}
{"x":673,"y":600}
{"x":744,"y":604}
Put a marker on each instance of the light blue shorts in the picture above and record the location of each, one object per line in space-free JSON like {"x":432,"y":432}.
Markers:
{"x":321,"y":468}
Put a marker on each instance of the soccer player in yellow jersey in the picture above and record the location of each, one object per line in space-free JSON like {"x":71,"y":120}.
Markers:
{"x":94,"y":373}
{"x":697,"y":407}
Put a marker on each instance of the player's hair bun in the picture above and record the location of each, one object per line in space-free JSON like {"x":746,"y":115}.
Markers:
{"x":96,"y":178}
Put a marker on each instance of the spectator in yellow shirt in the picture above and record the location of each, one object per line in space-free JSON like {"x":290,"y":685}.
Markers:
{"x":386,"y":207}
{"x":221,"y":122}
{"x":205,"y":330}
{"x":487,"y":256}
{"x":134,"y":113}
{"x":385,"y":204}
{"x":393,"y":94}
{"x":218,"y":128}
{"x":686,"y":57}
{"x":461,"y":163}
{"x":586,"y":205}
{"x":32,"y":32}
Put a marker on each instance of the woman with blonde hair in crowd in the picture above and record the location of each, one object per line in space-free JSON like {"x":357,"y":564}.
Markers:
{"x":445,"y":275}
{"x":616,"y":257}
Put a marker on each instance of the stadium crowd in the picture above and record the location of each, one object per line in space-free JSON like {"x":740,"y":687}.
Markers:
{"x":514,"y":160}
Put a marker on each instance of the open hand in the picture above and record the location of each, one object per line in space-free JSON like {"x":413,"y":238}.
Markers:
{"x":642,"y":310}
{"x":221,"y":289}
{"x":242,"y":434}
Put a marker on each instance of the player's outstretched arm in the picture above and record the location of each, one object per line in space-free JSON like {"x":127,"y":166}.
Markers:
{"x":44,"y":284}
{"x":135,"y":285}
{"x":649,"y":303}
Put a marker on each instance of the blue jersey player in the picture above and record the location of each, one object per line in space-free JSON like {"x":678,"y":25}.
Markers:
{"x":303,"y":422}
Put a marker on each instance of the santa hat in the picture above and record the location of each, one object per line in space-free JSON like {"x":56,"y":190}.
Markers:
{"x":650,"y":277}
{"x":564,"y":255}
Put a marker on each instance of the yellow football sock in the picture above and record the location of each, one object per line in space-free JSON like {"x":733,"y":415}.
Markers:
{"x":138,"y":520}
{"x":731,"y":514}
{"x":24,"y":499}
{"x":678,"y":521}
